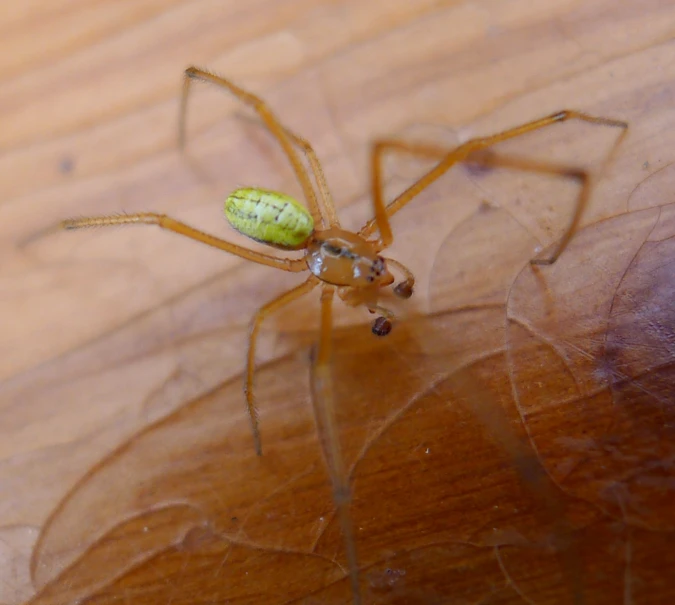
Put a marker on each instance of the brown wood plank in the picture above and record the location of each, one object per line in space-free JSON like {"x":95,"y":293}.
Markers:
{"x":127,"y":471}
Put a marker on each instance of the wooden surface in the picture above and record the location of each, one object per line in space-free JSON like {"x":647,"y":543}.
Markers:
{"x":127,"y":472}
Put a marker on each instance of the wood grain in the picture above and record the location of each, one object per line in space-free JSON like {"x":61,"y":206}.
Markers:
{"x":511,"y":441}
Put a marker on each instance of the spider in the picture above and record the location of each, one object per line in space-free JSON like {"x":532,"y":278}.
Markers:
{"x":338,"y":260}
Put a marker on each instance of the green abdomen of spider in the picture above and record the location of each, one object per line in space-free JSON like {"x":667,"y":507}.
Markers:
{"x":269,"y":217}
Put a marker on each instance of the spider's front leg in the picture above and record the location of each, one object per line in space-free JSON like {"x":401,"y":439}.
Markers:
{"x":285,"y":137}
{"x":471,"y":152}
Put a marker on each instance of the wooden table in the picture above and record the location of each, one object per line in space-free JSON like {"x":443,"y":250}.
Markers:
{"x":512,"y":439}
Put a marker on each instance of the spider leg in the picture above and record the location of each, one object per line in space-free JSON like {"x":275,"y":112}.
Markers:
{"x":166,"y":222}
{"x":461,"y":154}
{"x":492,"y":160}
{"x":268,"y":118}
{"x":324,"y":412}
{"x":580,"y":175}
{"x":254,"y":327}
{"x":326,"y":198}
{"x":327,"y":205}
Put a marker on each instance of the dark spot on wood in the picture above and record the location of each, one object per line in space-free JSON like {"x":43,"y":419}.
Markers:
{"x":485,"y":206}
{"x":66,"y":165}
{"x":480,"y":163}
